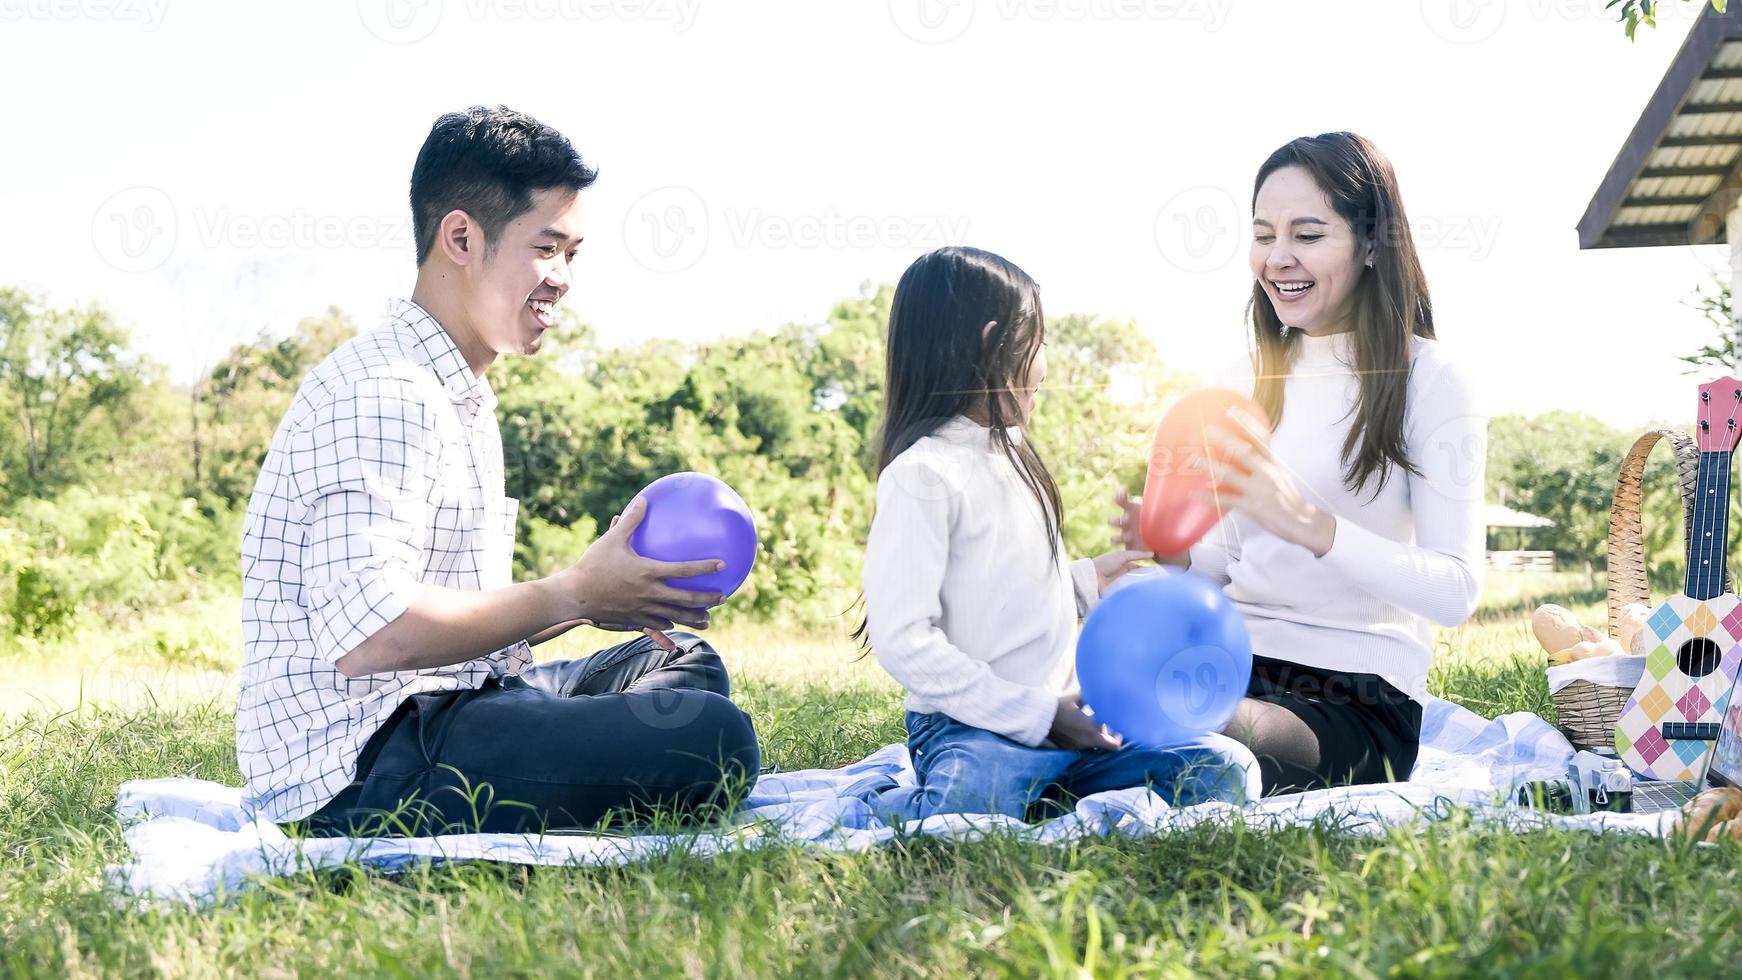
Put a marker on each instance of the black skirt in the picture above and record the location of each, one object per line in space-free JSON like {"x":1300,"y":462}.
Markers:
{"x":1334,"y":728}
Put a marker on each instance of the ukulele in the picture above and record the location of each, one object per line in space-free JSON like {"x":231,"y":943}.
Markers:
{"x":1671,"y":722}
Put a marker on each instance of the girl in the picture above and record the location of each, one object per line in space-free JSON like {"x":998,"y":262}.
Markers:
{"x":970,"y":604}
{"x":1361,"y":522}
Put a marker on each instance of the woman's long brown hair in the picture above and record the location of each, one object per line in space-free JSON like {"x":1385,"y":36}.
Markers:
{"x":1391,"y":303}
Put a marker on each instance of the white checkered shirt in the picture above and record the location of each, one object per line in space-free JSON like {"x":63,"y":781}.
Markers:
{"x":385,"y":475}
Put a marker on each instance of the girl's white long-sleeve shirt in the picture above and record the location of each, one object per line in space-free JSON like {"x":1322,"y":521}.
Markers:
{"x":968,"y":606}
{"x":1403,"y":559}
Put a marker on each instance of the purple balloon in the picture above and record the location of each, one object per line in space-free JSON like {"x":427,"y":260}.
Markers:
{"x":691,"y":517}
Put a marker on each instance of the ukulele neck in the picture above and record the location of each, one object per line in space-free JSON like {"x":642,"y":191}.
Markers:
{"x":1705,"y":579}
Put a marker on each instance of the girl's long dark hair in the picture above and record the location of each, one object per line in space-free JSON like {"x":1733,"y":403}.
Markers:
{"x":941,"y":363}
{"x":1391,"y":303}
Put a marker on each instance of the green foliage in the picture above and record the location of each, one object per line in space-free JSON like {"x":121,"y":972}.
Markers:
{"x":541,"y":547}
{"x":1720,"y":353}
{"x":66,"y":377}
{"x":1563,"y":465}
{"x":83,"y":546}
{"x":1636,"y":12}
{"x":89,"y":553}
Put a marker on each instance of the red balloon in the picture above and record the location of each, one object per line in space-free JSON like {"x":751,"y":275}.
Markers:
{"x":1180,"y":466}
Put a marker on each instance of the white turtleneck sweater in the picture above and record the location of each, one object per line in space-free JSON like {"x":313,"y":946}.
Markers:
{"x":969,"y":608}
{"x":1408,"y":557}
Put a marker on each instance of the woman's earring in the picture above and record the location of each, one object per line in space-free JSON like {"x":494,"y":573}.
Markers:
{"x":1283,"y":333}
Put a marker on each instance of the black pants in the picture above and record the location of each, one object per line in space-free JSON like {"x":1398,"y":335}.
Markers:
{"x":1311,"y":728}
{"x":625,"y":731}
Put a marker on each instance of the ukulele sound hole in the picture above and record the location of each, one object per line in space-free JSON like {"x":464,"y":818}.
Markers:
{"x":1698,"y":657}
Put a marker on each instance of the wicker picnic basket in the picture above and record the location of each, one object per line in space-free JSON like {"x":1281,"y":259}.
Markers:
{"x":1588,"y":711}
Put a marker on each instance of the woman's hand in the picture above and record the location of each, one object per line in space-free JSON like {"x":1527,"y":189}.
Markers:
{"x":1110,"y":566}
{"x":1073,"y":728}
{"x":1250,"y":480}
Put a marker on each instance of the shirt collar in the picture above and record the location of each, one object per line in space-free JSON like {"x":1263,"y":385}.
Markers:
{"x":965,"y":431}
{"x":442,"y":355}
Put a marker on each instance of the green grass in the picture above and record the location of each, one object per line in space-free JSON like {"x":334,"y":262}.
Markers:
{"x":1218,"y":901}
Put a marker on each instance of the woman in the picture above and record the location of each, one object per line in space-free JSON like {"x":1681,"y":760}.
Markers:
{"x":1360,"y":524}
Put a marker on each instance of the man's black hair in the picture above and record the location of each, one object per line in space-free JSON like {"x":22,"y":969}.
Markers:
{"x":487,"y":163}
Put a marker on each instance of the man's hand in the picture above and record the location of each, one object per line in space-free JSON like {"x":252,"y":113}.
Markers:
{"x":1073,"y":729}
{"x":614,"y":588}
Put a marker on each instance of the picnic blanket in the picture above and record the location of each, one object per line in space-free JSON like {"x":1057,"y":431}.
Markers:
{"x":192,"y":840}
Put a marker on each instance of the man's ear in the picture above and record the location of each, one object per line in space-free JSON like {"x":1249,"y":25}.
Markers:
{"x":460,"y":238}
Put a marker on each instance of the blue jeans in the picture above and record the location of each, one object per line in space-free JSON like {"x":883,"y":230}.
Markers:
{"x":629,"y":730}
{"x":963,"y":769}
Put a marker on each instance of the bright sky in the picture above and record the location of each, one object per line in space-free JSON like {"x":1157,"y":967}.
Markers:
{"x":209,"y":169}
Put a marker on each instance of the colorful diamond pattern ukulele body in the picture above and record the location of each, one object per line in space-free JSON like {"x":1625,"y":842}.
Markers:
{"x":1671,"y":723}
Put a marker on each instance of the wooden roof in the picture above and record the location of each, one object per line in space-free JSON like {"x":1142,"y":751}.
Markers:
{"x":1680,"y":170}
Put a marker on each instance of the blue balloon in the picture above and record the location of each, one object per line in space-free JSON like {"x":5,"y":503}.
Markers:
{"x":1164,"y":659}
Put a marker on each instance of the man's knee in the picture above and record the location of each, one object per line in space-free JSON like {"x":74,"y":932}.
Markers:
{"x":698,"y":658}
{"x":712,"y":743}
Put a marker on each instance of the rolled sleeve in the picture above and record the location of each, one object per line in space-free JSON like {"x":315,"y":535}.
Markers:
{"x":1086,"y":583}
{"x":363,"y":468}
{"x":361,"y":571}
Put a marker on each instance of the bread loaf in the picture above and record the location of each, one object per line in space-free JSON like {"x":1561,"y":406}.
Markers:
{"x":1710,"y":809}
{"x":1556,"y":628}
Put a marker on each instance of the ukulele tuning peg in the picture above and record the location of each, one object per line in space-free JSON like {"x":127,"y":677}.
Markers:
{"x":1704,"y":425}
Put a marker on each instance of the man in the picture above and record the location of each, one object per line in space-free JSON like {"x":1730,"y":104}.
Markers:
{"x":388,"y":669}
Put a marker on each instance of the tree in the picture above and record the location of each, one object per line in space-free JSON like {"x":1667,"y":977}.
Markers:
{"x":62,"y":372}
{"x":1720,"y":353}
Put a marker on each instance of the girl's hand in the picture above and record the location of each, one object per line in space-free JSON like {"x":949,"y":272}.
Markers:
{"x":1110,"y":566}
{"x":1073,"y":728}
{"x":1250,"y":480}
{"x":1128,"y":532}
{"x":1125,"y":522}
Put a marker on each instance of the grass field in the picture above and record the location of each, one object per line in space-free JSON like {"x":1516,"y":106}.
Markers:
{"x":154,"y":699}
